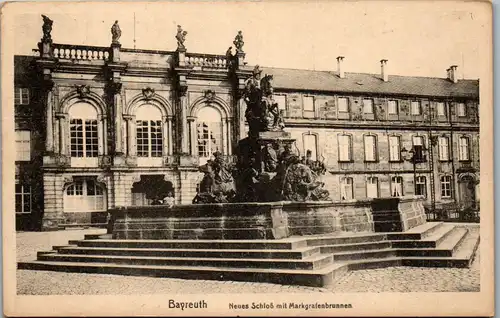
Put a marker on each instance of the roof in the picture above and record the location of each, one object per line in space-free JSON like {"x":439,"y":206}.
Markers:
{"x":295,"y":79}
{"x":309,"y":80}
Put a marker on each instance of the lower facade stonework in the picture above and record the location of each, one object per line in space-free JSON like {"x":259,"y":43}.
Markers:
{"x":84,"y":198}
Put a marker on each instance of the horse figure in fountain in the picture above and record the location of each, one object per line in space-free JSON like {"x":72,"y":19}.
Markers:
{"x":262,"y":111}
{"x":217,"y":185}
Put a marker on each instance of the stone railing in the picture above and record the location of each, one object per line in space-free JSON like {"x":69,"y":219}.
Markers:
{"x":206,"y":60}
{"x":80,"y":52}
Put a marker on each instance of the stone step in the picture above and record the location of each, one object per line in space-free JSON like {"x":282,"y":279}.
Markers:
{"x":309,"y":263}
{"x":416,"y":233}
{"x":365,"y":254}
{"x":336,"y":240}
{"x":374,"y":263}
{"x":444,"y":249}
{"x":431,"y":241}
{"x":286,"y":244}
{"x":299,"y":253}
{"x":315,"y":278}
{"x":355,"y":247}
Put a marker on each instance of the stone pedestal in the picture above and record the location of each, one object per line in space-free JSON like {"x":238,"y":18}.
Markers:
{"x":259,"y":164}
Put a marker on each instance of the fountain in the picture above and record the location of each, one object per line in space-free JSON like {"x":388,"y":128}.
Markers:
{"x":249,"y":200}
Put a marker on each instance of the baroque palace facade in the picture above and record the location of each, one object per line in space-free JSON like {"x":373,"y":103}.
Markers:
{"x":102,"y":127}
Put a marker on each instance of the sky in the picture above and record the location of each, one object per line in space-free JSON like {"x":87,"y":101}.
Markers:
{"x":418,"y":38}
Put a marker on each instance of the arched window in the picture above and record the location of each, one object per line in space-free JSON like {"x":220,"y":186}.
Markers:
{"x":345,"y":144}
{"x":372,"y":187}
{"x":310,"y":143}
{"x":209,"y":129}
{"x":444,"y":148}
{"x":149,"y":134}
{"x":84,"y":140}
{"x":84,"y":196}
{"x":463,"y":154}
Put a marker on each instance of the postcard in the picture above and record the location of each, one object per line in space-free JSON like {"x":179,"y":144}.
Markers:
{"x":319,"y":158}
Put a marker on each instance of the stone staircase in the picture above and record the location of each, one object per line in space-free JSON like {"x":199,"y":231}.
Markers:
{"x":310,"y":261}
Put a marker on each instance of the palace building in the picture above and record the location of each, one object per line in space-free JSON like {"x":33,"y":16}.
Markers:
{"x":102,"y":127}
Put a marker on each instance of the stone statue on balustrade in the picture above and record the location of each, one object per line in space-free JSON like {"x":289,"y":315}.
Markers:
{"x":47,"y":29}
{"x":238,"y":42}
{"x":116,"y":33}
{"x":217,"y":185}
{"x":181,"y":37}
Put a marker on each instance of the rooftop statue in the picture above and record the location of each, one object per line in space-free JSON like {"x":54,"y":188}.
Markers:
{"x":181,"y":37}
{"x":47,"y":28}
{"x":116,"y":33}
{"x":238,"y":42}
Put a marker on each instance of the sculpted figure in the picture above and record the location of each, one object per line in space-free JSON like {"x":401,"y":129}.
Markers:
{"x":116,"y":33}
{"x":300,"y":184}
{"x":270,"y":158}
{"x":47,"y":28}
{"x":181,"y":37}
{"x":238,"y":42}
{"x":217,"y":185}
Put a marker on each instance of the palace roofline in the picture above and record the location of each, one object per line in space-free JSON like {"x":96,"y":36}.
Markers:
{"x":351,"y":83}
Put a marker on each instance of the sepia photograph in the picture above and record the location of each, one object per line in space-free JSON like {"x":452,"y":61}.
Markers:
{"x":242,"y":158}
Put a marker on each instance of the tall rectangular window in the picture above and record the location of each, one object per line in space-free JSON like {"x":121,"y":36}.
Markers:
{"x":421,"y":186}
{"x":446,"y":187}
{"x":346,"y":189}
{"x":23,"y":198}
{"x":397,"y":186}
{"x":461,"y":111}
{"x":368,"y":106}
{"x":343,"y":105}
{"x":370,"y":148}
{"x":416,"y":108}
{"x":418,"y":148}
{"x":149,"y":138}
{"x":394,"y":148}
{"x":83,"y":138}
{"x":463,"y":153}
{"x":392,"y":107}
{"x":21,"y":96}
{"x":310,"y":144}
{"x":444,"y":148}
{"x":344,"y":148}
{"x":372,"y":187}
{"x":441,"y":109}
{"x":23,"y":145}
{"x":281,"y":101}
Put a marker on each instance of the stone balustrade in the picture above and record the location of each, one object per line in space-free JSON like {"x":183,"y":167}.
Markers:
{"x":206,"y":60}
{"x":80,"y":52}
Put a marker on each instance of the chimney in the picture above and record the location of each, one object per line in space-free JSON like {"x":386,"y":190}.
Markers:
{"x":452,"y":73}
{"x":383,"y":70}
{"x":340,"y":68}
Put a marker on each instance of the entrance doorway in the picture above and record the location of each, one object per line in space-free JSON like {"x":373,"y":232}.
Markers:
{"x":468,"y":191}
{"x":151,"y":190}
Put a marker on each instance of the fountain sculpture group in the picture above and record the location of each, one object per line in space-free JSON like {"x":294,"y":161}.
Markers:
{"x":267,"y":169}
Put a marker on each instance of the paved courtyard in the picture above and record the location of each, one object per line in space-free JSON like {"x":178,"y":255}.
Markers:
{"x":395,"y":279}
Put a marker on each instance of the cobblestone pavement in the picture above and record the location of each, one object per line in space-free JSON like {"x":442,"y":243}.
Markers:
{"x":395,"y":279}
